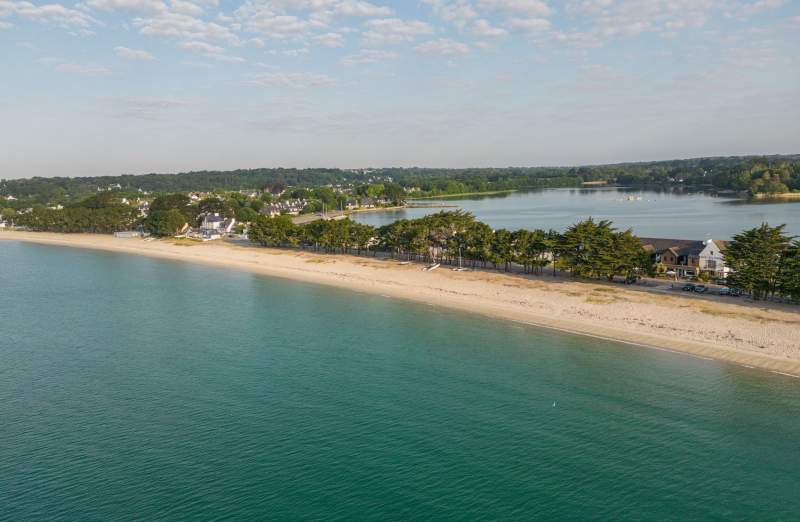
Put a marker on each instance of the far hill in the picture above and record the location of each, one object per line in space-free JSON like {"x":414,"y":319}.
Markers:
{"x":753,"y":174}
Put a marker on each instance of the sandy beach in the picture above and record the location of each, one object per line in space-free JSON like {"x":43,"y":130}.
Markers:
{"x":750,"y":334}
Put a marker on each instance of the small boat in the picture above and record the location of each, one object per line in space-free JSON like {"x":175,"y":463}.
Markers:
{"x":432,"y":267}
{"x":460,"y":269}
{"x":403,"y":263}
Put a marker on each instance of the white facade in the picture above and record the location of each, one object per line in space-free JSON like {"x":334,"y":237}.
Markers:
{"x":712,"y":259}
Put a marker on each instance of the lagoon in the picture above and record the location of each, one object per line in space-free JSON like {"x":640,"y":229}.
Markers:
{"x":669,"y":214}
{"x":136,"y":388}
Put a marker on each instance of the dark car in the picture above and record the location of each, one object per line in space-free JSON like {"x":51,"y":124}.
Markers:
{"x":689,"y":287}
{"x":701,"y":289}
{"x":725,"y":291}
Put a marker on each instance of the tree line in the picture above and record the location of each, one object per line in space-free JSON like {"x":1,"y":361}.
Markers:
{"x":756,"y":174}
{"x":587,"y":249}
{"x":765,"y":262}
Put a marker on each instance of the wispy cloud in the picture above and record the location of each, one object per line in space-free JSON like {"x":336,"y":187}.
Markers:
{"x":295,"y":80}
{"x":133,"y":54}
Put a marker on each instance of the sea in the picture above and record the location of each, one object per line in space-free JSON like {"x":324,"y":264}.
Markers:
{"x":134,"y":388}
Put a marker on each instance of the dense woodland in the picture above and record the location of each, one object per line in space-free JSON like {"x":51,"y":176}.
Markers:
{"x":771,"y":174}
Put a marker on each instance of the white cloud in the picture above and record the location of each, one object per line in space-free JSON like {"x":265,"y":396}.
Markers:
{"x":747,"y":9}
{"x":361,"y":9}
{"x":300,"y":51}
{"x":51,"y":14}
{"x":143,"y":6}
{"x":296,"y":80}
{"x":184,"y":27}
{"x":187,"y":8}
{"x":532,"y":8}
{"x":444,"y":47}
{"x":458,"y":12}
{"x":133,"y":54}
{"x":82,"y":69}
{"x":483,"y":29}
{"x":215,"y":52}
{"x":5,"y":25}
{"x":605,"y":19}
{"x":394,"y":30}
{"x":226,"y":58}
{"x":201,"y":47}
{"x":529,"y":25}
{"x":368,"y":56}
{"x":275,"y":26}
{"x":330,"y":40}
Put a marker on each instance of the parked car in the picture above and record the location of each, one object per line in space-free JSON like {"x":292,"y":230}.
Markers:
{"x":725,"y":291}
{"x":701,"y":289}
{"x":735,"y":292}
{"x":689,"y":287}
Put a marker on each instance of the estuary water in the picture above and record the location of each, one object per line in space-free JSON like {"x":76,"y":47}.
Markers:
{"x":140,"y":389}
{"x":649,"y":213}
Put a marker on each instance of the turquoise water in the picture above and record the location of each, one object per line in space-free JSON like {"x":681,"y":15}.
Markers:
{"x":656,"y":214}
{"x":134,"y":388}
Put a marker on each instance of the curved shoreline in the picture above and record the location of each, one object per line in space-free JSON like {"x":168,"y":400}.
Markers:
{"x":743,"y":334}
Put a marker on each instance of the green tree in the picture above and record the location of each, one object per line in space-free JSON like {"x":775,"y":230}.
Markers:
{"x":164,"y":222}
{"x":789,"y":274}
{"x":246,"y":214}
{"x":754,"y":257}
{"x":586,"y":249}
{"x":274,"y":232}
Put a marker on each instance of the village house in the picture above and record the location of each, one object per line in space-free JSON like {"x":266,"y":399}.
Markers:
{"x":292,"y":208}
{"x":272,"y":210}
{"x":688,"y":257}
{"x":215,"y":226}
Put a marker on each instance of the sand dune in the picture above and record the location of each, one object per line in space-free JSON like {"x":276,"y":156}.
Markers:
{"x":745,"y":333}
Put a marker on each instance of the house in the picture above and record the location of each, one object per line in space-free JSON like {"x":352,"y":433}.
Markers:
{"x":688,"y":257}
{"x":216,"y":225}
{"x":351,"y":204}
{"x":712,"y":258}
{"x":272,"y":210}
{"x":367,"y":203}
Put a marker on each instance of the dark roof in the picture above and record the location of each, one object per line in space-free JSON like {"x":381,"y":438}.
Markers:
{"x":214,"y":219}
{"x":682,"y":247}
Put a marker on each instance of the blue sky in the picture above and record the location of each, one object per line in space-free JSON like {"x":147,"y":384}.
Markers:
{"x":133,"y":86}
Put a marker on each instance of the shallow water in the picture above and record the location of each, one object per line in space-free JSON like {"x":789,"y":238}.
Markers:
{"x":136,"y":388}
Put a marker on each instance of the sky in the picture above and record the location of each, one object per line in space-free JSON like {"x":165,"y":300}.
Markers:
{"x":106,"y":87}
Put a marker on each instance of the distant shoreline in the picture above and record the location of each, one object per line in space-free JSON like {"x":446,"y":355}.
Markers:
{"x":782,"y":195}
{"x":755,"y":336}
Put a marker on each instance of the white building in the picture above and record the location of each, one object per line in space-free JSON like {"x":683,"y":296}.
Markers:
{"x":712,"y":257}
{"x":215,"y":226}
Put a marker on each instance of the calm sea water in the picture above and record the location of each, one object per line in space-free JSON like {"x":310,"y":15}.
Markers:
{"x":133,"y":388}
{"x":657,"y":214}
